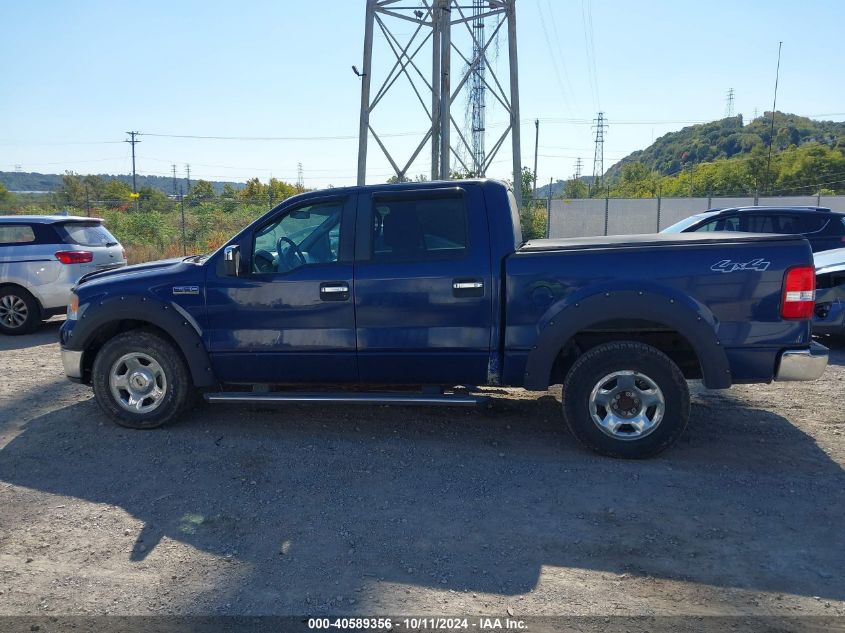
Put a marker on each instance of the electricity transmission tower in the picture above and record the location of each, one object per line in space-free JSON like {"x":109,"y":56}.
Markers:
{"x":477,"y":87}
{"x":598,"y":158}
{"x":439,"y":28}
{"x":729,"y":106}
{"x":577,"y":169}
{"x":300,"y":178}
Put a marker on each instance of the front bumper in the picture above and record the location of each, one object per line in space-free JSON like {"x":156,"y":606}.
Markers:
{"x":72,"y":361}
{"x":802,"y":364}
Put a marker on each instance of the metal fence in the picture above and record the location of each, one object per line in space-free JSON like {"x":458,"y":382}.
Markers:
{"x":629,"y":216}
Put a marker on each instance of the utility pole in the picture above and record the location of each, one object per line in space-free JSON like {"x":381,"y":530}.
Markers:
{"x":729,"y":106}
{"x":188,"y":177}
{"x":184,"y":236}
{"x":599,"y":126}
{"x":174,"y":179}
{"x":772,"y":129}
{"x":132,"y":141}
{"x":536,"y":145}
{"x":406,"y":31}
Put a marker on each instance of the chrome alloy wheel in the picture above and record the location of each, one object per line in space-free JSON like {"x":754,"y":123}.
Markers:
{"x":13,"y":311}
{"x":627,"y":405}
{"x":137,"y":382}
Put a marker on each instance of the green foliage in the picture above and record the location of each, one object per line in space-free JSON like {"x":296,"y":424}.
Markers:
{"x":201,"y":190}
{"x":154,"y":200}
{"x":729,"y":138}
{"x":533,"y":221}
{"x":527,"y":187}
{"x":7,"y":198}
{"x":576,"y":188}
{"x":116,"y":194}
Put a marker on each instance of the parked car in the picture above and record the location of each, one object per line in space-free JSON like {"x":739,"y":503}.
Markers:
{"x":41,"y":258}
{"x":830,"y":294}
{"x":823,"y":228}
{"x":430,"y":284}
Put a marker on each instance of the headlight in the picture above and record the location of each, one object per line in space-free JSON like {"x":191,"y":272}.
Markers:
{"x":73,"y":307}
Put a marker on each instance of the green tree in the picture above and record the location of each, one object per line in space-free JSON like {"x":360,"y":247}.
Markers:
{"x":116,"y":194}
{"x":576,"y":188}
{"x":7,"y":198}
{"x":151,"y":199}
{"x":201,"y":191}
{"x":72,"y":191}
{"x":254,"y":191}
{"x":279,"y":190}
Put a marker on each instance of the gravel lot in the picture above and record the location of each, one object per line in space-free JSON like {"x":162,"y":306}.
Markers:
{"x":394,"y":510}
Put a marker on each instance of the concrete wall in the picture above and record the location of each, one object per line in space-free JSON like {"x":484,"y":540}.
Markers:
{"x":628,"y":216}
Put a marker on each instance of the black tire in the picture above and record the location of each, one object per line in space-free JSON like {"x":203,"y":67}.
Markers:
{"x":177,"y":389}
{"x":590,"y":371}
{"x":14,"y":301}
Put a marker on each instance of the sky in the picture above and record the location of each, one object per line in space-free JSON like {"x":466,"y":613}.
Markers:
{"x":76,"y":76}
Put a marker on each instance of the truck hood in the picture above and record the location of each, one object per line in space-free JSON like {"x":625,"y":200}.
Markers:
{"x":127,"y":272}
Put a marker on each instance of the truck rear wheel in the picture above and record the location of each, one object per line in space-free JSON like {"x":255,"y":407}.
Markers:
{"x":626,"y":399}
{"x":140,"y":380}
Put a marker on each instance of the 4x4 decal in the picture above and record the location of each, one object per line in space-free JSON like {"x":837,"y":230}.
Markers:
{"x":727,"y":266}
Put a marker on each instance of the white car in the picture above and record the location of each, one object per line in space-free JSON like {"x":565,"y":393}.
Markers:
{"x":42,"y":258}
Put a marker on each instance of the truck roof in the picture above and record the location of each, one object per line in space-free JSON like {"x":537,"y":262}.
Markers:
{"x":46,"y":219}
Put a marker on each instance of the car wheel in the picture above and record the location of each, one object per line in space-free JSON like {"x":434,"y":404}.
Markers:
{"x":626,"y":399}
{"x":140,"y":380}
{"x":19,"y":311}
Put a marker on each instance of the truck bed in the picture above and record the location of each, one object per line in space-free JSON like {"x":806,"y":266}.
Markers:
{"x":650,"y":240}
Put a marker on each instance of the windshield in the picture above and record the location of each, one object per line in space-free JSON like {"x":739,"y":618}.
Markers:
{"x":680,"y":227}
{"x":86,"y":234}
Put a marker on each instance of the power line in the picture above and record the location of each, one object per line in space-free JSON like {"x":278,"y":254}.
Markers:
{"x":589,"y":44}
{"x":774,"y":107}
{"x":553,"y":57}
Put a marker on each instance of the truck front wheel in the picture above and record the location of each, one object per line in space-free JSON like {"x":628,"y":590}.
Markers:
{"x":626,"y":399}
{"x":140,"y":380}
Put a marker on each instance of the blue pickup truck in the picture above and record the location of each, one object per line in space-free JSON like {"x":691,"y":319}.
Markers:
{"x":422,"y":292}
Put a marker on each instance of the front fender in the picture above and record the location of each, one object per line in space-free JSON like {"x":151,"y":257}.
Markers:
{"x":691,"y":320}
{"x":168,"y":316}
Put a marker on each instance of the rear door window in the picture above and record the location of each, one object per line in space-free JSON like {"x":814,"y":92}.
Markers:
{"x":419,"y":229}
{"x":16,"y":234}
{"x":85,"y":234}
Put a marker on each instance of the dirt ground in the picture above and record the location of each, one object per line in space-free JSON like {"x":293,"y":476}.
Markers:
{"x":398,"y":510}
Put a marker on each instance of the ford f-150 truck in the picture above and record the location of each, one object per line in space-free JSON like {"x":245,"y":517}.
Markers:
{"x":421,"y":292}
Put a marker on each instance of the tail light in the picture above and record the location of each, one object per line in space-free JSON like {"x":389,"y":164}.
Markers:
{"x":123,"y":253}
{"x":75,"y":257}
{"x":799,"y":293}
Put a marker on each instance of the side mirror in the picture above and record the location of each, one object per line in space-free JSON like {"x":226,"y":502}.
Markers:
{"x":232,"y":259}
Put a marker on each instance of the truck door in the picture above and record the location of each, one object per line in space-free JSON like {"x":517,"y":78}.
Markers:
{"x":423,"y":304}
{"x":289,"y":315}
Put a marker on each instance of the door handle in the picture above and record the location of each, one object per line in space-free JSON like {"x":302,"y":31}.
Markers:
{"x":334,"y":291}
{"x":467,"y":288}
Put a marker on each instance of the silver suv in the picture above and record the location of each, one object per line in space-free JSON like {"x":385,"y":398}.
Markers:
{"x":42,"y":258}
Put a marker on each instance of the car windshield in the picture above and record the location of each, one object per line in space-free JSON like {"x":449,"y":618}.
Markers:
{"x":680,"y":227}
{"x":86,"y":234}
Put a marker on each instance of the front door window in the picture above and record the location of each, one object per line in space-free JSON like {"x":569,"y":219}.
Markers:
{"x":307,"y":235}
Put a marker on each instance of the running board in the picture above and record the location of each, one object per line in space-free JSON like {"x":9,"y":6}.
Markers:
{"x":454,"y":400}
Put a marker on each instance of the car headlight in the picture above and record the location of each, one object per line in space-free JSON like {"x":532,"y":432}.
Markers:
{"x":73,"y":307}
